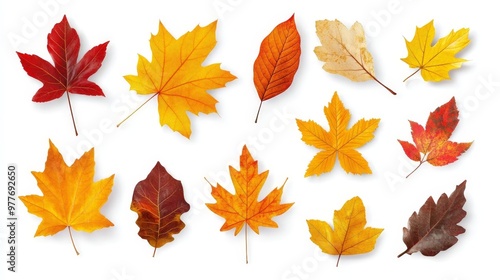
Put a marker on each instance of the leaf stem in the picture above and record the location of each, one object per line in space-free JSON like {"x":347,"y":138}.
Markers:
{"x":246,"y":243}
{"x":411,"y":75}
{"x":154,"y":252}
{"x":376,"y":80}
{"x":71,"y":236}
{"x":72,"y":117}
{"x":361,"y":64}
{"x":338,"y":260}
{"x":386,"y":87}
{"x":258,"y":111}
{"x":415,"y":169}
{"x":118,"y":125}
{"x":399,"y":256}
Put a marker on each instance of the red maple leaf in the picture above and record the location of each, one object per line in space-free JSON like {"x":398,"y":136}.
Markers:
{"x":432,"y":141}
{"x":67,"y":74}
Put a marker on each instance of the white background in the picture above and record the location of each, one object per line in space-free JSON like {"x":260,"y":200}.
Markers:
{"x":201,"y":251}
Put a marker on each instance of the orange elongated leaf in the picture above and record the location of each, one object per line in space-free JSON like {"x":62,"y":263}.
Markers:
{"x":277,"y":62}
{"x":344,"y":51}
{"x":159,"y":203}
{"x":435,"y":227}
{"x":71,"y":199}
{"x":435,"y":61}
{"x":338,"y":141}
{"x":349,"y":235}
{"x":242,"y":209}
{"x":433,"y":140}
{"x":177,"y":77}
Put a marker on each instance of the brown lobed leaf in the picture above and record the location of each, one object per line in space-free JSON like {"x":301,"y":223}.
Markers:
{"x":159,"y":202}
{"x":435,"y":227}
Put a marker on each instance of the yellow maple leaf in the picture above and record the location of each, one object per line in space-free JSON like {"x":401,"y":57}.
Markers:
{"x":71,"y":198}
{"x":435,"y":61}
{"x":339,"y":141}
{"x":349,"y":235}
{"x":243,"y":208}
{"x":344,"y":51}
{"x":176,"y":75}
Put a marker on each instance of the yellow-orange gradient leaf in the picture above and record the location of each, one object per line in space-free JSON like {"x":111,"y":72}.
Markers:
{"x":277,"y":62}
{"x":243,"y":209}
{"x":71,"y":198}
{"x":338,"y":141}
{"x":176,"y":75}
{"x":349,"y":235}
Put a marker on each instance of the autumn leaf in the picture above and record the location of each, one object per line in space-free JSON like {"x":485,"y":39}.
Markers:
{"x":344,"y":51}
{"x":277,"y":62}
{"x":242,"y":208}
{"x":435,"y":227}
{"x":349,"y":235}
{"x":176,"y":76}
{"x":433,"y":141}
{"x":159,"y":202}
{"x":67,"y":75}
{"x":339,"y":141}
{"x":435,"y":61}
{"x":71,"y":199}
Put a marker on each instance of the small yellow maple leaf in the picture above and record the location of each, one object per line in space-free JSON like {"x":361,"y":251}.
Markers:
{"x":436,"y":61}
{"x":243,"y":208}
{"x":71,"y":198}
{"x":349,"y":235}
{"x":176,"y":75}
{"x":339,"y":141}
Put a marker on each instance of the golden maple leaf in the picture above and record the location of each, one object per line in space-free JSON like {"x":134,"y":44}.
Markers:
{"x":339,"y":141}
{"x":436,"y":61}
{"x":344,"y":51}
{"x":243,"y":208}
{"x":176,"y":75}
{"x":349,"y":235}
{"x":71,"y":198}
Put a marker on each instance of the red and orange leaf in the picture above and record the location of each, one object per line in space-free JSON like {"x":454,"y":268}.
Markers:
{"x":67,"y":75}
{"x":71,"y":199}
{"x":435,"y":227}
{"x":243,"y":209}
{"x":433,"y":140}
{"x":159,"y":202}
{"x":177,"y":77}
{"x":277,"y":62}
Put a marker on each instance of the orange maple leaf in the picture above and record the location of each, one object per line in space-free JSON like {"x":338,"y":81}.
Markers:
{"x":242,"y":208}
{"x":71,"y":198}
{"x":433,"y":141}
{"x":176,"y":76}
